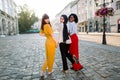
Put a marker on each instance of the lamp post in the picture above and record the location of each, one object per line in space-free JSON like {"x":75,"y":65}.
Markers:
{"x":104,"y":24}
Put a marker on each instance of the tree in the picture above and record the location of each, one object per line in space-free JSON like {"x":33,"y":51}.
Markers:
{"x":26,"y":18}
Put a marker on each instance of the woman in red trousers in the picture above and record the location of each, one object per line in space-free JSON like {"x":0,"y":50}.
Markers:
{"x":74,"y":50}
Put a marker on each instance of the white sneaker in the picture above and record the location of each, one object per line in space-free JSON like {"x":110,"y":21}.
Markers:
{"x":64,"y":71}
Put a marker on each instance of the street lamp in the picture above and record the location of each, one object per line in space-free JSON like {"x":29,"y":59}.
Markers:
{"x":104,"y":15}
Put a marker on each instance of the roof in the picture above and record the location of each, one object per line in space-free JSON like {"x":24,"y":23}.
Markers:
{"x":74,"y":3}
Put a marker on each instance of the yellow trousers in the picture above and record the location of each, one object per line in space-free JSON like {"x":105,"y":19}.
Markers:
{"x":50,"y":54}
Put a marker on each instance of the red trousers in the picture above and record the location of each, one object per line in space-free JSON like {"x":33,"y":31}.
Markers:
{"x":74,"y":45}
{"x":75,"y":51}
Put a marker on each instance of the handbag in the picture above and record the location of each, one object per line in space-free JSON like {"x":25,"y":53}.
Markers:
{"x":68,"y":41}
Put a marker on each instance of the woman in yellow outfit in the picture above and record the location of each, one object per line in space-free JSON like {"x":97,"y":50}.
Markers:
{"x":50,"y":45}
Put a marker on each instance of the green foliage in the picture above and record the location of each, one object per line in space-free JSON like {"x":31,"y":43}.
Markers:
{"x":26,"y":18}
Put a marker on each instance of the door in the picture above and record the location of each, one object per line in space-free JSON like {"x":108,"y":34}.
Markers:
{"x":119,"y":26}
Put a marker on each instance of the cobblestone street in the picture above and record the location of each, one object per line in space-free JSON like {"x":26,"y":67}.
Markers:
{"x":21,"y":58}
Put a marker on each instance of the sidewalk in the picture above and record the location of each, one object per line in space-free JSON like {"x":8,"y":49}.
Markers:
{"x":111,"y":38}
{"x":101,"y":33}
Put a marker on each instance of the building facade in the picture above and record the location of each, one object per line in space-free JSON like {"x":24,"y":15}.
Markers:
{"x":36,"y":25}
{"x":88,"y":22}
{"x":98,"y":21}
{"x":8,"y":18}
{"x":70,"y":8}
{"x":66,"y":10}
{"x":82,"y":15}
{"x":115,"y":20}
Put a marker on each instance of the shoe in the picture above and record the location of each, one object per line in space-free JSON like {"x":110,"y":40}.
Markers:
{"x":50,"y":72}
{"x":50,"y":76}
{"x":41,"y":78}
{"x":76,"y":67}
{"x":64,"y":71}
{"x":72,"y":68}
{"x":79,"y":69}
{"x":76,"y":70}
{"x":75,"y":59}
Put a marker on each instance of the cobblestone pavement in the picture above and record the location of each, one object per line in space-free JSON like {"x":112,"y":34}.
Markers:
{"x":21,"y":58}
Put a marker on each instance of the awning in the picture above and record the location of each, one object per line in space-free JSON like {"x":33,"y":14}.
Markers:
{"x":81,"y":24}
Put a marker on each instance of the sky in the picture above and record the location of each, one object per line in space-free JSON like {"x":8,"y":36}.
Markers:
{"x":51,"y":7}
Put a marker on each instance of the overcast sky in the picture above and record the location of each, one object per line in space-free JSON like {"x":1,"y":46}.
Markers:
{"x":51,"y":7}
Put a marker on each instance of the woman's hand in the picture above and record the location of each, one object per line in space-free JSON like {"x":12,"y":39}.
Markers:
{"x":41,"y":34}
{"x":57,"y":44}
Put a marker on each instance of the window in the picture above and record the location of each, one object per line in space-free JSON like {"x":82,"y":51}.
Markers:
{"x":90,"y":2}
{"x":118,"y":5}
{"x":0,"y":5}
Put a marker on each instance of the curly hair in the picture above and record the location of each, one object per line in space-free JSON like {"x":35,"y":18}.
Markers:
{"x":75,"y":17}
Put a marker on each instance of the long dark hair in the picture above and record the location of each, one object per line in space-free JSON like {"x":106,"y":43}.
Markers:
{"x":65,"y":18}
{"x":45,"y":16}
{"x":65,"y":30}
{"x":75,"y":17}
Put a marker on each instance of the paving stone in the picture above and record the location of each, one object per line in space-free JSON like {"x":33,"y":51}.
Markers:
{"x":36,"y":79}
{"x":4,"y":77}
{"x":35,"y":76}
{"x":20,"y":76}
{"x":117,"y":70}
{"x":11,"y":79}
{"x":21,"y":58}
{"x":27,"y":78}
{"x":104,"y":73}
{"x":115,"y":77}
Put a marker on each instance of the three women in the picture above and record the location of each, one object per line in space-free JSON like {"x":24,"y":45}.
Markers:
{"x":69,"y":51}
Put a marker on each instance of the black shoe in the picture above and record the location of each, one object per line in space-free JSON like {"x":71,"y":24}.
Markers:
{"x":41,"y":78}
{"x":50,"y":76}
{"x":72,"y":68}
